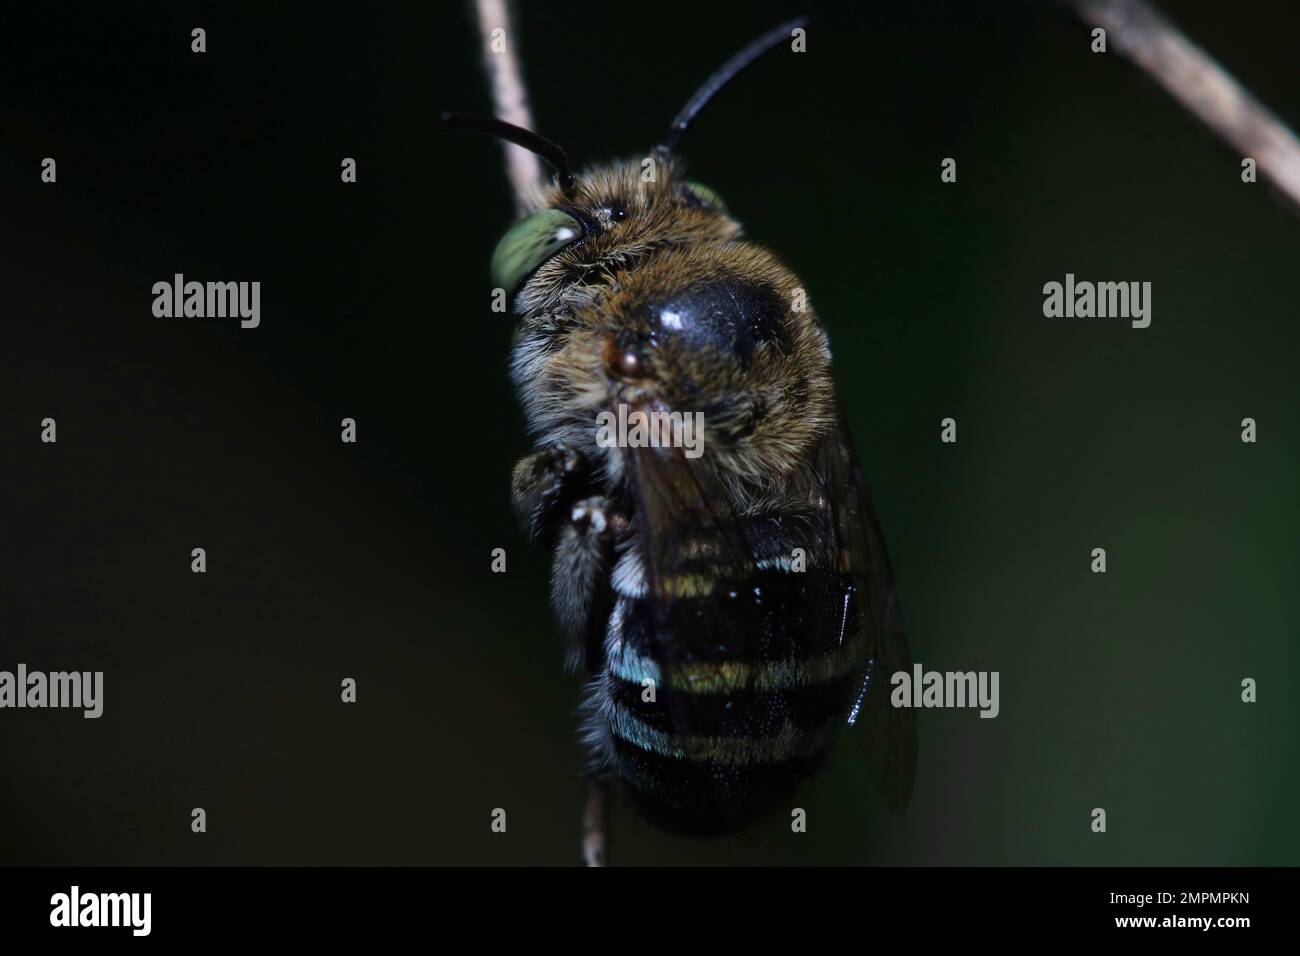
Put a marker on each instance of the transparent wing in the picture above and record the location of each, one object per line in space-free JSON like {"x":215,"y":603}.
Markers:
{"x":759,"y":663}
{"x":889,"y":732}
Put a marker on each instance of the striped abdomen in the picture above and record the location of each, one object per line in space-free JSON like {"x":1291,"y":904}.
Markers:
{"x":713,"y":705}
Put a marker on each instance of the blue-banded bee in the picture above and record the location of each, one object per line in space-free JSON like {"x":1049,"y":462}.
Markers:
{"x":735,"y":609}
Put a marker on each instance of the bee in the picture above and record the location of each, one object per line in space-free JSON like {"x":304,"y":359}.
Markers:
{"x":733,"y":610}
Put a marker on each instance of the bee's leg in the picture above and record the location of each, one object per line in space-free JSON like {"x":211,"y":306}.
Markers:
{"x":583,"y":600}
{"x":580,"y":570}
{"x":543,"y":483}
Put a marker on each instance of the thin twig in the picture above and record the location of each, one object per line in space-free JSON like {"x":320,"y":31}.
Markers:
{"x":593,"y":825}
{"x":524,"y":171}
{"x":1144,"y":35}
{"x":509,"y":95}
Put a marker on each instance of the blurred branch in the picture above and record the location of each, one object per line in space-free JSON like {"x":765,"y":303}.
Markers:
{"x":1137,"y":30}
{"x":593,"y":825}
{"x":509,"y":94}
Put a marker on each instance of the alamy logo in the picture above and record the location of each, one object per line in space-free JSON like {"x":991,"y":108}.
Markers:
{"x":1101,"y":300}
{"x":209,"y":300}
{"x":35,"y":689}
{"x":103,"y":909}
{"x":922,"y":688}
{"x":640,"y":429}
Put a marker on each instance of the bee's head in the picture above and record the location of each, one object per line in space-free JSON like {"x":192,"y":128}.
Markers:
{"x":582,"y":227}
{"x":612,"y":218}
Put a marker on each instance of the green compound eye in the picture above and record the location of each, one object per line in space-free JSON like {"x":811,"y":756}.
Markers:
{"x":705,"y":196}
{"x":529,"y":243}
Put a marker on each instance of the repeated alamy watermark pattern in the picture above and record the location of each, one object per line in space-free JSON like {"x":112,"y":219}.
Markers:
{"x":1075,"y":299}
{"x":957,"y":689}
{"x":654,"y":429}
{"x":77,"y":690}
{"x":209,"y":300}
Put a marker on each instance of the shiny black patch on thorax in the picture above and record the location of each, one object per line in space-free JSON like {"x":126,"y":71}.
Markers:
{"x":730,"y":315}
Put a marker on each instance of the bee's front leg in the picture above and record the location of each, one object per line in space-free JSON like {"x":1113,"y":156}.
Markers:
{"x":543,"y":485}
{"x":580,"y":570}
{"x":546,"y":487}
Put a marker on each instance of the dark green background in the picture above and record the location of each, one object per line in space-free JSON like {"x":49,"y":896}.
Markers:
{"x":372,"y":561}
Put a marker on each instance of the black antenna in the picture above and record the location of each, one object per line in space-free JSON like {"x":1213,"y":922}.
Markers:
{"x":511,"y":133}
{"x":704,"y":95}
